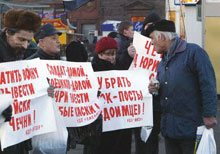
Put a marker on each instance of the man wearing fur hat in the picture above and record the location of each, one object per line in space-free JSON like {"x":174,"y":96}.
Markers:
{"x":187,"y":92}
{"x":19,"y":28}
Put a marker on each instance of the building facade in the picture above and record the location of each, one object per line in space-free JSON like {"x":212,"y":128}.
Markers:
{"x":89,"y":18}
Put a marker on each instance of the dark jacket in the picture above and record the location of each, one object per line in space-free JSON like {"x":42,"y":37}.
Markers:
{"x":101,"y":65}
{"x":187,"y":89}
{"x":8,"y":54}
{"x":123,"y":59}
{"x":43,"y":55}
{"x":76,"y":52}
{"x":91,"y":135}
{"x":113,"y":141}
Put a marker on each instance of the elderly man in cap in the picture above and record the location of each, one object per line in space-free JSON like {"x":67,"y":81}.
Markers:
{"x":187,"y":92}
{"x":19,"y":28}
{"x":48,"y":43}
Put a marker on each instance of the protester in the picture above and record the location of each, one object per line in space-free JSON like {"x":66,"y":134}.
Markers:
{"x":125,"y":38}
{"x":187,"y":92}
{"x":19,"y":28}
{"x":75,"y":52}
{"x":107,"y":142}
{"x":152,"y":144}
{"x":48,"y":43}
{"x":124,"y":58}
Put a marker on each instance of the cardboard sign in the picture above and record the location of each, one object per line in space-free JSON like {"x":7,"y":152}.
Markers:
{"x":76,"y":90}
{"x":146,"y":57}
{"x":19,"y":81}
{"x":125,"y":100}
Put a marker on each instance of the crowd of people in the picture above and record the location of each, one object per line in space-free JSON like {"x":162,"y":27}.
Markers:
{"x":186,"y":97}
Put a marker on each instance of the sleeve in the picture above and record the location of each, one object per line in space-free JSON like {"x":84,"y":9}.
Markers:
{"x":7,"y":113}
{"x":123,"y":60}
{"x":207,"y":82}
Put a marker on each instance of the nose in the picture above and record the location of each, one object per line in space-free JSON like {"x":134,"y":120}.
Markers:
{"x":58,"y":40}
{"x":25,"y":44}
{"x":113,"y":58}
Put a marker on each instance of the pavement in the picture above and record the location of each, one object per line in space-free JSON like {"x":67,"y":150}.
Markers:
{"x":79,"y":148}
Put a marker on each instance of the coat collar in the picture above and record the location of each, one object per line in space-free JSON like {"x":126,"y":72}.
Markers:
{"x":178,"y":46}
{"x":46,"y":55}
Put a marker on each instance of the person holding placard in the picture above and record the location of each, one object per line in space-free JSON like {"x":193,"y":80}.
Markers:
{"x":19,"y":28}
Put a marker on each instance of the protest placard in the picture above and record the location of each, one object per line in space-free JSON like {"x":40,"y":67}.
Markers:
{"x":20,"y":81}
{"x":125,"y":99}
{"x":76,"y":90}
{"x":146,"y":57}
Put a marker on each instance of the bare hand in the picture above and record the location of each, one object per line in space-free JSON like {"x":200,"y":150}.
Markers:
{"x":152,"y":87}
{"x":209,"y":122}
{"x":50,"y":91}
{"x":131,"y":51}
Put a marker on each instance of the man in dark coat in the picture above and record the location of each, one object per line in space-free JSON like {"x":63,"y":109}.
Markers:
{"x":19,"y":28}
{"x":124,"y":39}
{"x":123,"y":62}
{"x":152,"y":144}
{"x":187,"y":92}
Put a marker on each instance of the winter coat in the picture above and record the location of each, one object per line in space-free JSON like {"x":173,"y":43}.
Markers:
{"x":113,"y":141}
{"x":101,"y":65}
{"x":187,"y":89}
{"x":8,"y":54}
{"x":43,"y":55}
{"x":123,"y":59}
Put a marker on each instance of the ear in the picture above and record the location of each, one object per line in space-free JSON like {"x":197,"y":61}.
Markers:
{"x":7,"y":33}
{"x":163,"y":38}
{"x":124,"y":31}
{"x":41,"y":42}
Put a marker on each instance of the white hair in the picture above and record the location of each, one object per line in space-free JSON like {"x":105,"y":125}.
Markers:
{"x":168,"y":35}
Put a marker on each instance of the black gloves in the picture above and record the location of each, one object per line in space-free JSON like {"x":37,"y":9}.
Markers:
{"x":7,"y":113}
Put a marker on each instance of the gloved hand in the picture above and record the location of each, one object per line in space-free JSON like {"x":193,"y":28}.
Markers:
{"x":7,"y":113}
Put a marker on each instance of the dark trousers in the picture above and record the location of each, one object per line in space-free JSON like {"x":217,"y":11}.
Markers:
{"x":113,"y":142}
{"x":20,"y":148}
{"x":179,"y":146}
{"x":152,"y":144}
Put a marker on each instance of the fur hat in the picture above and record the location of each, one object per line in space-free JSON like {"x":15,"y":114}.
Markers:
{"x":105,"y":43}
{"x":162,"y":25}
{"x":22,"y":19}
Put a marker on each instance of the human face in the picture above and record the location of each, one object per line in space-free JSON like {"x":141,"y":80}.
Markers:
{"x":50,"y":44}
{"x":159,"y":44}
{"x":129,"y":32}
{"x":19,"y":40}
{"x":108,"y":55}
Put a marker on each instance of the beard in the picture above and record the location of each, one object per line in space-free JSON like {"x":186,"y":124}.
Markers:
{"x":20,"y":50}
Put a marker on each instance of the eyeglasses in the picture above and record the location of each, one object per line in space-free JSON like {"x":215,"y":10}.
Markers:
{"x":109,"y":53}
